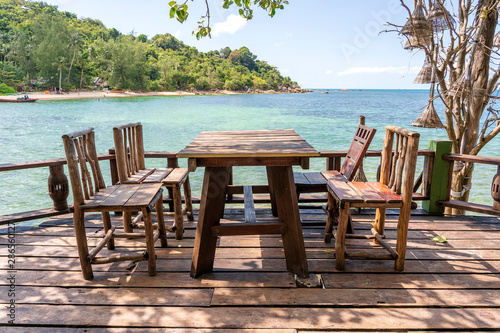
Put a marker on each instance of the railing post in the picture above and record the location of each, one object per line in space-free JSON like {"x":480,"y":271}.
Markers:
{"x":439,"y":176}
{"x":112,"y":167}
{"x":58,"y":187}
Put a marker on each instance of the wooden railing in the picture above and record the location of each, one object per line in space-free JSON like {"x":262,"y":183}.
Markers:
{"x":333,"y":160}
{"x":470,"y":206}
{"x":59,"y":189}
{"x":432,"y":186}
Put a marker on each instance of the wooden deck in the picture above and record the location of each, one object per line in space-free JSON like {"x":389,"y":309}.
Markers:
{"x":445,"y":286}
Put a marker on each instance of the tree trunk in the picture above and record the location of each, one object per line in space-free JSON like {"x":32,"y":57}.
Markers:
{"x":81,"y":76}
{"x":71,"y":65}
{"x":477,"y":101}
{"x":60,"y":79}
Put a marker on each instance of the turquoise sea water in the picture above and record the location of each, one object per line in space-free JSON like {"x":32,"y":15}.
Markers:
{"x":327,"y":121}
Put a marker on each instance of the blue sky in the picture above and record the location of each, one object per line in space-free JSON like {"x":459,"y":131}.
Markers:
{"x":318,"y":43}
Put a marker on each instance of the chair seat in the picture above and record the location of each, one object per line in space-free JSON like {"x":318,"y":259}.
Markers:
{"x":177,"y":176}
{"x":148,"y":176}
{"x":126,"y":197}
{"x":361,"y":194}
{"x":309,"y":182}
{"x":167,"y":176}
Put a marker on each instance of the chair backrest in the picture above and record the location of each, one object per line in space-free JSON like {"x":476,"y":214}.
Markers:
{"x":359,"y":145}
{"x":399,"y":160}
{"x":129,"y":150}
{"x":82,"y":156}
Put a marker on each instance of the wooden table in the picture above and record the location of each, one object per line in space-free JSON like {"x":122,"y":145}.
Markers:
{"x":218,"y":152}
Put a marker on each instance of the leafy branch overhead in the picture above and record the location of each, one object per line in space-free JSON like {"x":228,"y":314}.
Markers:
{"x":180,"y":12}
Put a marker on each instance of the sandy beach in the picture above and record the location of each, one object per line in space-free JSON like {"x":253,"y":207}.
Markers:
{"x":96,"y":94}
{"x":110,"y":94}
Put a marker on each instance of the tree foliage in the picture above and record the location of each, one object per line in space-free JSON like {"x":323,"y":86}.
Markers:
{"x":43,"y":48}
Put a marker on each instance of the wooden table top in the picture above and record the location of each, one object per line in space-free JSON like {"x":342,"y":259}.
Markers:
{"x":248,"y":143}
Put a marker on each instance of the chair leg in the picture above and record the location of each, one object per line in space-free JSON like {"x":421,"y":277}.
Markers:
{"x":187,"y":200}
{"x":170,"y":196}
{"x":179,"y":219}
{"x":81,"y":242}
{"x":150,"y":246}
{"x":107,"y":225}
{"x":332,"y":208}
{"x":161,"y":223}
{"x":379,"y":223}
{"x":404,"y":219}
{"x":340,"y":237}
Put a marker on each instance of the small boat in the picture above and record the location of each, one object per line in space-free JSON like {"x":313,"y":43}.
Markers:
{"x":18,"y":100}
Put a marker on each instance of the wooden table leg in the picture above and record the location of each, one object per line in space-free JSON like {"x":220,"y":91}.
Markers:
{"x":213,"y":197}
{"x":282,"y":184}
{"x":272,"y":197}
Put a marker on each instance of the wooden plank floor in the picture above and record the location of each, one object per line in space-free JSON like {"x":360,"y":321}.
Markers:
{"x":453,"y":286}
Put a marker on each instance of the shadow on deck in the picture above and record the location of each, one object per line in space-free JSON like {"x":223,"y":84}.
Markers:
{"x":445,"y":286}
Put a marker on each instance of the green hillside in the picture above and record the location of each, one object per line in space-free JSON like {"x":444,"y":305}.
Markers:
{"x":43,"y":48}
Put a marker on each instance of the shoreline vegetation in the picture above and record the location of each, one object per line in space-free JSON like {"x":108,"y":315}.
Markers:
{"x":44,"y":49}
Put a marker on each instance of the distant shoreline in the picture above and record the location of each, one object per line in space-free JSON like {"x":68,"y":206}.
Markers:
{"x":42,"y":96}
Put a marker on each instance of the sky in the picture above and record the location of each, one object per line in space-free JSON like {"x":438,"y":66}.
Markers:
{"x":322,"y":44}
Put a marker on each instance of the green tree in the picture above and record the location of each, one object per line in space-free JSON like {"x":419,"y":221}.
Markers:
{"x":128,"y":64}
{"x":234,"y":57}
{"x":5,"y":89}
{"x":167,"y":64}
{"x":60,"y":63}
{"x":73,"y":40}
{"x":52,"y":40}
{"x":167,"y":41}
{"x":225,"y":52}
{"x":247,"y":59}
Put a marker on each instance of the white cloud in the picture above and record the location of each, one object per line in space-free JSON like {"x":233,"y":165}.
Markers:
{"x":285,"y":71}
{"x":380,"y":70}
{"x":176,"y":34}
{"x":328,"y":72}
{"x":232,"y":24}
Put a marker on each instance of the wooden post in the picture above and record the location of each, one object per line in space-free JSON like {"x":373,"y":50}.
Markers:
{"x":439,"y":177}
{"x":495,"y":190}
{"x":58,"y":187}
{"x":112,"y":167}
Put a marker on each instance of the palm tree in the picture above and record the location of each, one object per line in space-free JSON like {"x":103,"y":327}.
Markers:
{"x":74,"y":38}
{"x":60,"y":62}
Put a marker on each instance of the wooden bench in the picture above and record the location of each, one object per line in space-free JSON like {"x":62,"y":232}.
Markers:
{"x":394,"y":190}
{"x":90,"y":194}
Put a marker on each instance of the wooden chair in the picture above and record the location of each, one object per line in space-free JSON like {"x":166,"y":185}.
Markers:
{"x":394,"y":190}
{"x":129,"y":150}
{"x":312,"y":182}
{"x":91,"y":195}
